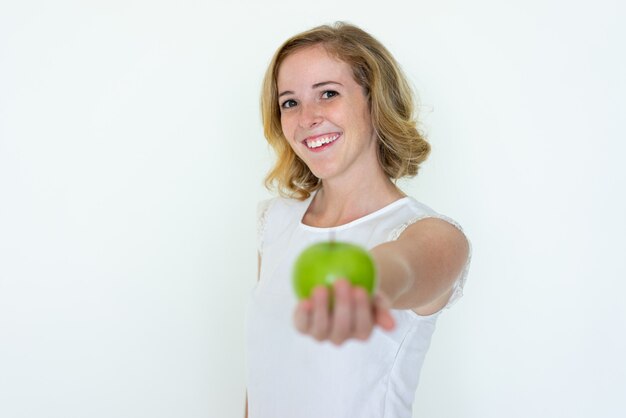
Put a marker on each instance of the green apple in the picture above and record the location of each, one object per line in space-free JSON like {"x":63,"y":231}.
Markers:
{"x":325,"y":262}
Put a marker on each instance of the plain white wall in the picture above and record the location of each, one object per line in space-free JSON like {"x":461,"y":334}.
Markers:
{"x":131,"y":160}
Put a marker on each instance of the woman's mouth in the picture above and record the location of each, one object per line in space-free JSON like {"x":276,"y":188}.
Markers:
{"x":319,"y":141}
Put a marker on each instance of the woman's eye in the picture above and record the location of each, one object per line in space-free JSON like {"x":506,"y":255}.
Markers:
{"x":288,"y":103}
{"x":329,"y":93}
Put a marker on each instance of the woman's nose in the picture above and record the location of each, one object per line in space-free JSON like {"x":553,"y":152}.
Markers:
{"x":310,"y":116}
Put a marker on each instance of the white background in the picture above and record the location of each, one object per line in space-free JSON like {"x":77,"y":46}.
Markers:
{"x":131,"y":161}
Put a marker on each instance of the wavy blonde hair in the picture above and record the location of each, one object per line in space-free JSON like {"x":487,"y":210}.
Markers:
{"x":401,"y":146}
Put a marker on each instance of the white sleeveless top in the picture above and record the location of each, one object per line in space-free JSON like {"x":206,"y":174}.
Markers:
{"x":290,"y":375}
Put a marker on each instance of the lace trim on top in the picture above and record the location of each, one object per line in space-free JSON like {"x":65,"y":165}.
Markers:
{"x":262,"y":211}
{"x":460,"y":282}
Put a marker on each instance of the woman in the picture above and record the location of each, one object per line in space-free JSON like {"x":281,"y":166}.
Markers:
{"x":339,"y":114}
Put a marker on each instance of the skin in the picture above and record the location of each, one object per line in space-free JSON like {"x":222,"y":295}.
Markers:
{"x":318,"y":96}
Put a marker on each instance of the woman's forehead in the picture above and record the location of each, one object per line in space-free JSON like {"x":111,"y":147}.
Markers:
{"x":311,"y":65}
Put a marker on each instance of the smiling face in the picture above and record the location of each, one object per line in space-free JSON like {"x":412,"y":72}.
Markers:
{"x":325,"y":115}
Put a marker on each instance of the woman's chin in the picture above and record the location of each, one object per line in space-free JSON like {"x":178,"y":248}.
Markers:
{"x":322,"y":174}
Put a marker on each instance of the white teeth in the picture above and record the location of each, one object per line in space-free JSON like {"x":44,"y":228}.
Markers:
{"x":321,"y":141}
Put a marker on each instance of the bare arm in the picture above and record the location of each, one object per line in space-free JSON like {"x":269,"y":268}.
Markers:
{"x":418,"y":270}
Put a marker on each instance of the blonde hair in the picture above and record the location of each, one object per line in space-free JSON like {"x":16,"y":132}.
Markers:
{"x":401,"y":146}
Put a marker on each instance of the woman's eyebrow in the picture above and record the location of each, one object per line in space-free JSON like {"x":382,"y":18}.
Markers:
{"x":324,"y":83}
{"x":315,"y":86}
{"x":285,"y":93}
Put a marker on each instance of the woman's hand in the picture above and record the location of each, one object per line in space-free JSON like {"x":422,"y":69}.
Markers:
{"x":354,"y":313}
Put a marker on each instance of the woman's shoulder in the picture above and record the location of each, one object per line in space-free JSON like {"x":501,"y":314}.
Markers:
{"x":417,"y":207}
{"x":414,"y":211}
{"x":278,"y":214}
{"x":280,"y":204}
{"x":422,"y":212}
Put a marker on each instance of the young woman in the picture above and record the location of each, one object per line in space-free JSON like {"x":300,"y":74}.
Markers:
{"x":339,"y":114}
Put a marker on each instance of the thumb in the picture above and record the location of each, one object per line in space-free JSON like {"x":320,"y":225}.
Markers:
{"x":382,"y":313}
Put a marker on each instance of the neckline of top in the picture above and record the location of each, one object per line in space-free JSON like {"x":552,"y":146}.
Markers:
{"x":357,"y":221}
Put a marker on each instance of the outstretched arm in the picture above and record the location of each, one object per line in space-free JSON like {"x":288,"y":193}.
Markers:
{"x":417,"y":271}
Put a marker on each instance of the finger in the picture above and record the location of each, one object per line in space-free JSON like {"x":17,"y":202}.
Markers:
{"x":342,"y":314}
{"x":302,"y":316}
{"x":363,"y":316}
{"x":319,"y":325}
{"x":382,"y":313}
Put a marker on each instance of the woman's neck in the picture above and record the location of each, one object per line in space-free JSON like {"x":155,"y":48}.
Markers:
{"x":337,"y":204}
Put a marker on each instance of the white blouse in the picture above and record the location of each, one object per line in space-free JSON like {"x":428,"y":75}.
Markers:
{"x":290,"y":375}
